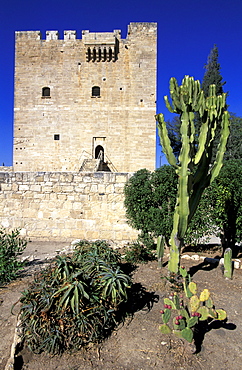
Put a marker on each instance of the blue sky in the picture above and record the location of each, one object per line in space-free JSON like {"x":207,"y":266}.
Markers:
{"x":187,"y":31}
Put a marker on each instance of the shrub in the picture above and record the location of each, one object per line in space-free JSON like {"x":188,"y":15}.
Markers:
{"x":75,"y":301}
{"x":11,"y":246}
{"x":138,"y":253}
{"x":150,"y":200}
{"x":225,"y":196}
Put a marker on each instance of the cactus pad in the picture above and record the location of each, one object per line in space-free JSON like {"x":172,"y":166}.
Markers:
{"x":192,"y":321}
{"x":165,"y":329}
{"x":194,"y":303}
{"x":170,"y":303}
{"x":193,"y":287}
{"x":187,"y":334}
{"x":204,"y":312}
{"x":166,"y":316}
{"x":209,"y":303}
{"x":183,"y":272}
{"x":176,"y":301}
{"x":178,"y":333}
{"x":221,"y":314}
{"x":205,"y":294}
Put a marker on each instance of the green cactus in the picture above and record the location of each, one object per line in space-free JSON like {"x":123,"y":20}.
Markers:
{"x":228,"y":264}
{"x":160,"y":250}
{"x":193,"y":167}
{"x":185,"y":312}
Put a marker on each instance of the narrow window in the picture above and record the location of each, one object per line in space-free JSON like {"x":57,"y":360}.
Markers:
{"x":56,"y":137}
{"x":45,"y":91}
{"x":96,"y":91}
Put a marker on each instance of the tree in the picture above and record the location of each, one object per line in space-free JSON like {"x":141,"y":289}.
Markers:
{"x":212,"y":75}
{"x":234,"y":145}
{"x":194,"y":168}
{"x":150,"y":201}
{"x":225,"y":201}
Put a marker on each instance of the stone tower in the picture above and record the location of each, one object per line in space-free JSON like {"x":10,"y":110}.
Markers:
{"x":85,"y":104}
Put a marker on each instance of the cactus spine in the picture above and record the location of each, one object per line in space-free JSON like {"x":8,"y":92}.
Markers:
{"x":193,"y":166}
{"x":228,"y":264}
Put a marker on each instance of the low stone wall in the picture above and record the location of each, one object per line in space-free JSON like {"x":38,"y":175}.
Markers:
{"x":6,"y":168}
{"x":59,"y":206}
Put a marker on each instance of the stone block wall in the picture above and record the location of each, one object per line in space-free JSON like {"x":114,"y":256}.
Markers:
{"x":63,"y":206}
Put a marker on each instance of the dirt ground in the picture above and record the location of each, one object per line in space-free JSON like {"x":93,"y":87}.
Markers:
{"x":138,"y":344}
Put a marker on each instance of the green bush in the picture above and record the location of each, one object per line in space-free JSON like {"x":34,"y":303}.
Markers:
{"x":11,"y":246}
{"x":150,"y":201}
{"x":225,"y":201}
{"x":75,"y":301}
{"x":138,"y":253}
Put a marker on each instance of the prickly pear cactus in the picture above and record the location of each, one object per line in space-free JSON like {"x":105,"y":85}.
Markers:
{"x":184,"y":312}
{"x":193,"y":167}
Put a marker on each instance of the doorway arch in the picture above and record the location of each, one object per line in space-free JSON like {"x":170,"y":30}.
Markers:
{"x":99,"y":152}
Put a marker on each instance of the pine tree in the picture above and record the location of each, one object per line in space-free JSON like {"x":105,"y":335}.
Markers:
{"x":212,"y":74}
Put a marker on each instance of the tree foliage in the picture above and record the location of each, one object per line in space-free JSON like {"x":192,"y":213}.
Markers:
{"x":224,"y":199}
{"x":150,"y":203}
{"x":234,"y":145}
{"x":150,"y":200}
{"x":212,"y":73}
{"x":11,"y":247}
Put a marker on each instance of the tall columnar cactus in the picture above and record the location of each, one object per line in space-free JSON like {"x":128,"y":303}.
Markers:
{"x":193,"y":167}
{"x":228,"y":264}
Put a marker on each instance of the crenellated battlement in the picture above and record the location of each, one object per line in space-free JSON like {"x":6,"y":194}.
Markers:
{"x":90,"y":38}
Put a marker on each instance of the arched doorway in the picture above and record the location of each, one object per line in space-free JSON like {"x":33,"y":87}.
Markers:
{"x":99,"y":152}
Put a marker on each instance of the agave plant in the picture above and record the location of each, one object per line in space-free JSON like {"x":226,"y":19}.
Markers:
{"x":114,"y":285}
{"x":73,"y":301}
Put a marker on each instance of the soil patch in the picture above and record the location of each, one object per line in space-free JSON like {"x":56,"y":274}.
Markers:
{"x":138,"y":343}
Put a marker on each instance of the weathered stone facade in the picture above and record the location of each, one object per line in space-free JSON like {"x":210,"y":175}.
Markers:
{"x":77,"y":100}
{"x":75,"y":96}
{"x":59,"y":206}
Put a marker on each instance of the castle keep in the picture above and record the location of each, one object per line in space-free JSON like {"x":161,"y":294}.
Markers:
{"x":83,"y":123}
{"x":80,"y":100}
